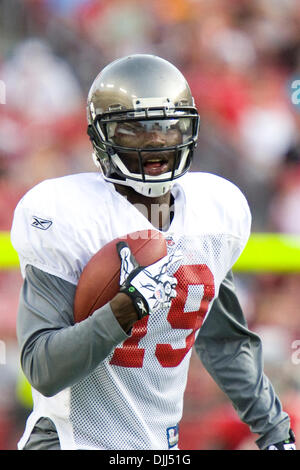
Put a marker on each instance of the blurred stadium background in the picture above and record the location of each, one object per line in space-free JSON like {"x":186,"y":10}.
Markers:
{"x":241,"y":58}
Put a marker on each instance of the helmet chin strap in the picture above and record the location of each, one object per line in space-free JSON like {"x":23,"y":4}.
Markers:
{"x":149,"y":189}
{"x":156,"y":189}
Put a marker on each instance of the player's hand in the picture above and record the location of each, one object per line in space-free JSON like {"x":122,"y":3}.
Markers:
{"x":288,"y":444}
{"x":150,"y":287}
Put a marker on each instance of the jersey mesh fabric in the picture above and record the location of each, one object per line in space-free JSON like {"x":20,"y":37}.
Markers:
{"x":133,"y":400}
{"x":136,"y":394}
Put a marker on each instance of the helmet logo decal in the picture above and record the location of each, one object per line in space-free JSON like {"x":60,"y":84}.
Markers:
{"x":152,"y":102}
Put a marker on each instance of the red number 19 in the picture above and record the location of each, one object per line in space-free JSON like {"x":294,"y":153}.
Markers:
{"x":130,"y":355}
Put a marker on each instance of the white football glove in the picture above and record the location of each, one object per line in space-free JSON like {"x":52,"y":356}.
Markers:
{"x":149,"y":287}
{"x":288,"y":444}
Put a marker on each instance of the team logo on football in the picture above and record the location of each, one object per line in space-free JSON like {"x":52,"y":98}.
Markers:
{"x":42,"y":224}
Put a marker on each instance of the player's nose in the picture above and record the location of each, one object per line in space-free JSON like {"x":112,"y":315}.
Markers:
{"x":155,"y":139}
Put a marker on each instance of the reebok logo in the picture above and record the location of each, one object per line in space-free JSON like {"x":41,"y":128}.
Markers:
{"x":142,"y":307}
{"x":42,"y":224}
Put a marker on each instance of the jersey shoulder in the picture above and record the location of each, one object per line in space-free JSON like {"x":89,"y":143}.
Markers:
{"x":212,"y":187}
{"x":217,"y":204}
{"x":63,"y":191}
{"x":55,"y":219}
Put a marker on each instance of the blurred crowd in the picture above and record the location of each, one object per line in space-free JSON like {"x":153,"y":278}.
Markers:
{"x":242,"y":60}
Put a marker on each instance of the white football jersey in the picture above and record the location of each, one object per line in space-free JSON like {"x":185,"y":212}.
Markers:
{"x":134,"y":398}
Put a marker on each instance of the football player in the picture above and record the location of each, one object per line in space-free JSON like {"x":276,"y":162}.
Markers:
{"x":116,"y":380}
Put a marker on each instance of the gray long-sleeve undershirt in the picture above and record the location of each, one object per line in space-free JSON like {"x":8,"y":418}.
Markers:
{"x":234,"y":358}
{"x":56,"y":353}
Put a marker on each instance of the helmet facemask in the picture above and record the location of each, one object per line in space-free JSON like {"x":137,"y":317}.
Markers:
{"x":142,"y":123}
{"x":145,"y":148}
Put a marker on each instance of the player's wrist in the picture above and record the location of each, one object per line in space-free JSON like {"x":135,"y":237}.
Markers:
{"x":124,"y":311}
{"x":138,"y":301}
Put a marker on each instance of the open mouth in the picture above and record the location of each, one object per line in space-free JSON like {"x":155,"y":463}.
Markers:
{"x":156,"y":166}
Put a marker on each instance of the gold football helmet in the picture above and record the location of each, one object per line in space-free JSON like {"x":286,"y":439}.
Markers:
{"x":143,"y":123}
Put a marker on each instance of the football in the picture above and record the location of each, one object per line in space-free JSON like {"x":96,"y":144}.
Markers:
{"x":99,"y":280}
